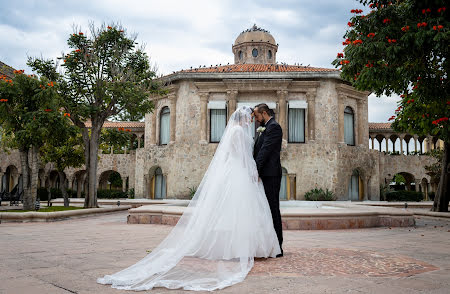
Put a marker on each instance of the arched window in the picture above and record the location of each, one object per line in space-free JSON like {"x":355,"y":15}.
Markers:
{"x":284,"y":184}
{"x":349,"y":126}
{"x":240,"y":55}
{"x":164,"y":126}
{"x":160,"y":184}
{"x":255,"y":52}
{"x":269,"y":54}
{"x":353,"y":186}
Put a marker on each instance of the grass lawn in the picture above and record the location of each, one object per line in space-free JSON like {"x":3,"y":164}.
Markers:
{"x":46,"y":209}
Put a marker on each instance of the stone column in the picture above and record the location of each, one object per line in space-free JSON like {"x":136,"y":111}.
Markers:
{"x":1,"y":181}
{"x":153,"y":129}
{"x":310,"y":97}
{"x":401,"y":137}
{"x":341,"y":99}
{"x":359,"y":124}
{"x":372,"y":141}
{"x":203,"y":116}
{"x":415,"y":142}
{"x":292,"y":187}
{"x":173,"y":116}
{"x":417,"y":182}
{"x":366,"y":189}
{"x":282,"y":94}
{"x":138,"y":137}
{"x":124,"y":184}
{"x":232,"y":101}
{"x":387,"y":143}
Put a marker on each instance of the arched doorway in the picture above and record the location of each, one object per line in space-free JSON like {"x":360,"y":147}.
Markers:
{"x":403,"y":181}
{"x":284,"y":185}
{"x":354,"y":186}
{"x":160,"y":184}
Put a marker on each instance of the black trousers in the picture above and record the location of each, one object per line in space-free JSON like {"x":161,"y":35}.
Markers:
{"x":272,"y":189}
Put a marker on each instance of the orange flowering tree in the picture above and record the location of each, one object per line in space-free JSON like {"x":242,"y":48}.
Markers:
{"x":29,"y":115}
{"x":104,"y":76}
{"x":402,"y":47}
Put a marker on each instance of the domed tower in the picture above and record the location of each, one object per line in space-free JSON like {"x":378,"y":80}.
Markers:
{"x":255,"y":46}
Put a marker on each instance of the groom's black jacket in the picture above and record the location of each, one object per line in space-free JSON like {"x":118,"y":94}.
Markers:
{"x":267,"y":150}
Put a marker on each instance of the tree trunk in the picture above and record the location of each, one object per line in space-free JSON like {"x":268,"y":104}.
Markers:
{"x":34,"y":173}
{"x":92,"y":173}
{"x":86,"y":142}
{"x":62,"y":187}
{"x":27,"y":197}
{"x":442,"y":196}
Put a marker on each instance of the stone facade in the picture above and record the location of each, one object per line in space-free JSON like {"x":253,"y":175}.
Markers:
{"x":323,"y":160}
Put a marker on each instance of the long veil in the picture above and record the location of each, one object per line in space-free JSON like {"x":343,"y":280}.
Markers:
{"x":226,"y":224}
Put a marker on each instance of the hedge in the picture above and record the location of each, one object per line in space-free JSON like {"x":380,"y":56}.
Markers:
{"x":111,"y":194}
{"x":404,"y":196}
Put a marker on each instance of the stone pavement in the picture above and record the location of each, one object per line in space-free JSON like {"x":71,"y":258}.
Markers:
{"x":67,"y":257}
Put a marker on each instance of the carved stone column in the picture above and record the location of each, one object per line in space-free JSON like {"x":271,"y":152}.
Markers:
{"x":173,"y":116}
{"x":282,"y":94}
{"x":341,"y":99}
{"x":204,"y":96}
{"x":310,"y":97}
{"x":372,"y":141}
{"x":153,"y":135}
{"x":232,"y":102}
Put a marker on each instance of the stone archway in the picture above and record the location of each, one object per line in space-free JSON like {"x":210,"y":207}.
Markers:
{"x":403,"y":181}
{"x":79,"y":183}
{"x":110,"y":180}
{"x":157,"y":184}
{"x":11,"y":178}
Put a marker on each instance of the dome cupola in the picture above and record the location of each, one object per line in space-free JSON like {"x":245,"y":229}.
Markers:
{"x":255,"y":46}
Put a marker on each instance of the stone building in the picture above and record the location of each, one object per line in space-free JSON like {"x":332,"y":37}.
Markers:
{"x":324,"y":121}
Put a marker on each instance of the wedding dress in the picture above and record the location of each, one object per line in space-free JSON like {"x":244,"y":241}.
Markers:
{"x":227,"y":223}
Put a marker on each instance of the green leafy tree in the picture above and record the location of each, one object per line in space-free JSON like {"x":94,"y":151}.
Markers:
{"x":114,"y":139}
{"x":64,"y":149}
{"x":402,"y":47}
{"x":28,"y":114}
{"x":103,"y":76}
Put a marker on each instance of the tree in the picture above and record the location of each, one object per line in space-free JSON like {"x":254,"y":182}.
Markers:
{"x":402,"y":47}
{"x":104,"y":76}
{"x":114,"y":139}
{"x":28,"y":112}
{"x":64,"y":149}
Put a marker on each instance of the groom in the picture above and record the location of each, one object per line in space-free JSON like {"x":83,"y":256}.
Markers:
{"x":267,"y":156}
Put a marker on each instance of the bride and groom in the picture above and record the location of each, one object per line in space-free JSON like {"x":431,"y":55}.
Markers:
{"x":233,"y":217}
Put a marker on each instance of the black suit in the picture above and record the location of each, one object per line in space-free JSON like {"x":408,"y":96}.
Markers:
{"x":267,"y":157}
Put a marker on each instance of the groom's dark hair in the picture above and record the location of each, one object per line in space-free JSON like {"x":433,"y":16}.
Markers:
{"x":263,"y":107}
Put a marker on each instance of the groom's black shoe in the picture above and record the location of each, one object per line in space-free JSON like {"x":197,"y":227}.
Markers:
{"x":281,"y":254}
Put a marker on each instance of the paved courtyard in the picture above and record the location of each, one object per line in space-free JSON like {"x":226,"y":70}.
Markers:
{"x":67,"y":257}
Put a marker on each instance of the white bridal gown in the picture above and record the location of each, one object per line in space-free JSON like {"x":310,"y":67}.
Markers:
{"x":227,"y":223}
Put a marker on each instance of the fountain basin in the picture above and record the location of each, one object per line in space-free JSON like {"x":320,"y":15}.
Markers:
{"x":296,"y":215}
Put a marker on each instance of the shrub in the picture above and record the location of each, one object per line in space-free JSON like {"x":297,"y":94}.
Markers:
{"x":131,"y":193}
{"x":111,"y":194}
{"x":192,"y":191}
{"x":319,"y":195}
{"x":404,"y":196}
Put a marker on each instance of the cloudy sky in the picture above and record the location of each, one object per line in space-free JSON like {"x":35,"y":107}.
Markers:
{"x":179,"y":34}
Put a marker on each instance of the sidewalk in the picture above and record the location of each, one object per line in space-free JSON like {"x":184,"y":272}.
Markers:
{"x":67,"y":257}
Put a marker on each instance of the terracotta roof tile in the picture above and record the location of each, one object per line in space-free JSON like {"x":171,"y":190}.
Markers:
{"x":120,"y":124}
{"x":258,"y":68}
{"x":379,"y":126}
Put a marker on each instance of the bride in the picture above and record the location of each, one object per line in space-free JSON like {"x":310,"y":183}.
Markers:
{"x":226,"y":225}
